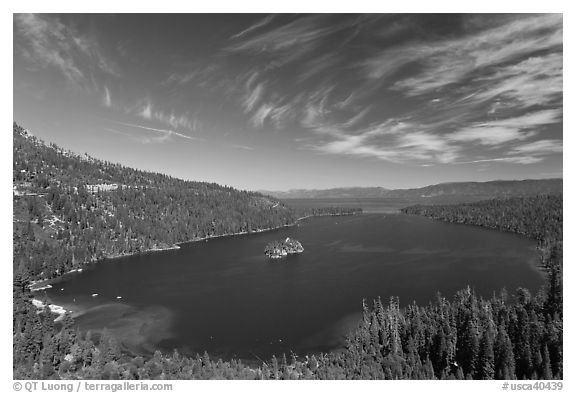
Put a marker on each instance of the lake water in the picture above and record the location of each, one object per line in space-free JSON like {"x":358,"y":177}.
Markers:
{"x":368,"y":205}
{"x":223,"y":296}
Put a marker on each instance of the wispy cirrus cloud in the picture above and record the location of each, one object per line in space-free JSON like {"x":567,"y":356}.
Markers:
{"x":276,"y":113}
{"x":262,"y":108}
{"x":301,"y":33}
{"x":146,"y":110}
{"x":496,"y":72}
{"x":149,"y":112}
{"x":541,"y":147}
{"x":449,"y":61}
{"x":318,"y":65}
{"x":201,"y":74}
{"x":242,"y":147}
{"x":139,"y":138}
{"x":531,"y":82}
{"x":392,"y":141}
{"x":106,"y":98}
{"x":383,"y":87}
{"x":292,"y":42}
{"x":489,"y":135}
{"x":165,"y":134}
{"x":357,"y":118}
{"x":47,"y":42}
{"x":261,"y":114}
{"x":498,"y":132}
{"x":118,"y":132}
{"x":253,"y":97}
{"x":48,"y":45}
{"x":525,"y":160}
{"x":412,"y":142}
{"x":261,"y":23}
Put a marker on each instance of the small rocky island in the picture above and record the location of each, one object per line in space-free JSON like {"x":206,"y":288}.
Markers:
{"x":279,"y":249}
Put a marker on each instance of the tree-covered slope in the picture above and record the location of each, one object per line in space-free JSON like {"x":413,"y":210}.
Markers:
{"x":70,"y":209}
{"x":537,"y":217}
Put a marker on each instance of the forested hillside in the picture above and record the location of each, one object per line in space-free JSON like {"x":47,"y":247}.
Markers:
{"x":538,"y":217}
{"x":71,"y":209}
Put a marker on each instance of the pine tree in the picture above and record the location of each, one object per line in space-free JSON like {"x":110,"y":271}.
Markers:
{"x":21,"y":279}
{"x":554,"y":284}
{"x":275,"y":368}
{"x":546,"y":372}
{"x":504,"y":356}
{"x":467,"y":348}
{"x":427,"y":370}
{"x":485,"y":362}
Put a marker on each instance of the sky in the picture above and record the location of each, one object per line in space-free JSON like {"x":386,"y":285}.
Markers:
{"x":284,"y":101}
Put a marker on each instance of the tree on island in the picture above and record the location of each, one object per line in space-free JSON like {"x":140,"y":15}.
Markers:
{"x":279,"y":249}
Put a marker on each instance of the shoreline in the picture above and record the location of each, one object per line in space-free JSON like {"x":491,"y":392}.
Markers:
{"x":260,"y":230}
{"x":206,"y":238}
{"x":537,"y":264}
{"x":54,"y":308}
{"x":34,"y":284}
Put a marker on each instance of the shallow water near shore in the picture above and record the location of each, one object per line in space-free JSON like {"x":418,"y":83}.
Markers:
{"x":225,"y":297}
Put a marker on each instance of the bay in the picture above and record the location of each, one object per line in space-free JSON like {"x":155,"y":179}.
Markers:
{"x":225,"y":297}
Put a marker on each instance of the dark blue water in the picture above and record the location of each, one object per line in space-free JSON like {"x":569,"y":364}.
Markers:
{"x":225,"y":297}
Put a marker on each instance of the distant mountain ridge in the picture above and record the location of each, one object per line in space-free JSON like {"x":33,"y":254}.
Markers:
{"x":346,"y":192}
{"x":475,"y":190}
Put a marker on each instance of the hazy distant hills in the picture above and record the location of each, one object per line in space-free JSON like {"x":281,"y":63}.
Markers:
{"x":459,"y":191}
{"x":349,"y":192}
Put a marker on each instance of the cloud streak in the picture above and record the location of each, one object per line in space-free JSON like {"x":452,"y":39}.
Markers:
{"x":300,"y":32}
{"x":541,"y":147}
{"x":107,"y":99}
{"x":501,"y":131}
{"x":534,"y":81}
{"x":496,"y":84}
{"x":261,"y":23}
{"x":166,"y":135}
{"x":149,"y":112}
{"x":390,"y":141}
{"x":524,"y":160}
{"x":447,"y":62}
{"x":47,"y":42}
{"x":409,"y":142}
